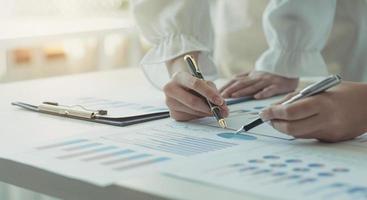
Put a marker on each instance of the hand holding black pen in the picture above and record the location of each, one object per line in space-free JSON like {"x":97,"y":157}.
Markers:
{"x":313,"y":89}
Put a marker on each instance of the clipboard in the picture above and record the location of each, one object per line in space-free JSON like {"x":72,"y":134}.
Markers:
{"x":101,"y":116}
{"x":98,"y":116}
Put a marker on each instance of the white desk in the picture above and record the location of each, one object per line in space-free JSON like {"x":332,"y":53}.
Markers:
{"x":20,"y":127}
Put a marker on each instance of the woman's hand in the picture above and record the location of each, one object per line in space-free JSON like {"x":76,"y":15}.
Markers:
{"x":185,"y":94}
{"x":258,"y":84}
{"x":184,"y":103}
{"x":335,"y":115}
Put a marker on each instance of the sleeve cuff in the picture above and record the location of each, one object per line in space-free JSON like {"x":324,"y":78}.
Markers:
{"x":154,"y":62}
{"x":292,"y":64}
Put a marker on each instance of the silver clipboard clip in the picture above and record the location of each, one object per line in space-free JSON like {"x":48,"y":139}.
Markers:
{"x":74,"y":110}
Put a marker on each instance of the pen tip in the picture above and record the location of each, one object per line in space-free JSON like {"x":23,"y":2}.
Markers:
{"x":239,"y":130}
{"x":222,"y":123}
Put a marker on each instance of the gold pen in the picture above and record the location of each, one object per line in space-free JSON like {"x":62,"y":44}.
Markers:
{"x":214,"y":108}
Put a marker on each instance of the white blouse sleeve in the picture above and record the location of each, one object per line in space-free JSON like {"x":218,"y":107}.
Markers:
{"x":174,"y":27}
{"x":296,"y":31}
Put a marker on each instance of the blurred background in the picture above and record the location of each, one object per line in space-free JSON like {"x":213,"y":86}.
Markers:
{"x":46,"y":38}
{"x":43,"y":38}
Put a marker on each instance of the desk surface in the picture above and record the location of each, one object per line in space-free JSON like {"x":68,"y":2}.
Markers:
{"x":21,"y":128}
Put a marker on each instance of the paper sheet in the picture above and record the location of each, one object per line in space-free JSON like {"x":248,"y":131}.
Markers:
{"x":245,"y":112}
{"x":264,"y":161}
{"x":284,"y":170}
{"x":118,"y":108}
{"x":133,"y":150}
{"x":108,"y":155}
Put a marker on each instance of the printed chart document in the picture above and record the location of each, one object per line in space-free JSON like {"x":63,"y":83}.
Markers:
{"x":262,"y":161}
{"x":243,"y":113}
{"x":105,"y":156}
{"x":283,"y":170}
{"x":108,"y":155}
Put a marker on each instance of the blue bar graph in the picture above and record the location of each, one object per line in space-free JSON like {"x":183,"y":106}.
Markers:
{"x":83,"y":153}
{"x":108,"y":155}
{"x":146,"y":162}
{"x":98,"y":152}
{"x":172,"y":142}
{"x":61,"y":144}
{"x":88,"y":145}
{"x":126,"y":159}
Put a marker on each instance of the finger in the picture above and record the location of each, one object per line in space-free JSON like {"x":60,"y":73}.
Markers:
{"x":182,"y":116}
{"x":327,"y":135}
{"x":304,"y":128}
{"x":226,"y":86}
{"x":331,"y":137}
{"x":324,"y":136}
{"x":191,"y":101}
{"x":199,"y":86}
{"x":224,"y":108}
{"x":298,"y":110}
{"x":235,"y":79}
{"x":242,"y":74}
{"x":175,"y":105}
{"x":286,"y":98}
{"x":250,"y":90}
{"x":267,"y":92}
{"x":211,"y":84}
{"x":172,"y":90}
{"x":238,"y":85}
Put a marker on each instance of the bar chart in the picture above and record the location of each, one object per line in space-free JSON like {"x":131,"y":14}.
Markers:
{"x":107,"y":155}
{"x":99,"y":153}
{"x":171,"y":142}
{"x":244,"y":113}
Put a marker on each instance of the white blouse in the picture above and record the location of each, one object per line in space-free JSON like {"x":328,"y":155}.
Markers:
{"x":296,"y":32}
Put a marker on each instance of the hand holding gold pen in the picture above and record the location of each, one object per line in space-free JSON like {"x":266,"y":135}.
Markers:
{"x":214,"y":108}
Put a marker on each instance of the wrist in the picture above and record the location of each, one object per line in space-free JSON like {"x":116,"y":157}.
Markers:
{"x":363,"y":90}
{"x":178,"y":64}
{"x":357,"y":99}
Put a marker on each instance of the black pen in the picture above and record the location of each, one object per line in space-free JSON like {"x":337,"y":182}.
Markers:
{"x":310,"y":90}
{"x":214,"y":108}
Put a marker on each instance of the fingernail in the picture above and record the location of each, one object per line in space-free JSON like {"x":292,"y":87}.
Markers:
{"x":234,"y":95}
{"x":218,"y":101}
{"x":226,"y":109}
{"x":257,"y":96}
{"x":271,"y":123}
{"x":225,"y":112}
